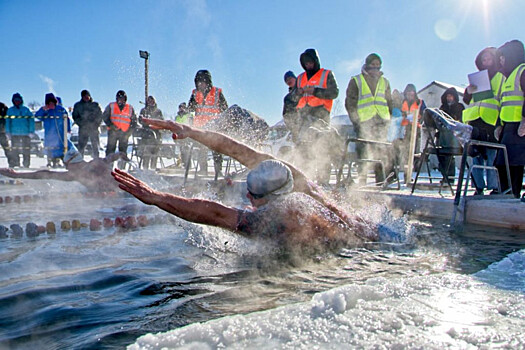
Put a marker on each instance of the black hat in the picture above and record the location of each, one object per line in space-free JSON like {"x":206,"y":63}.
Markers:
{"x":122,"y":93}
{"x":17,"y":96}
{"x":204,"y":76}
{"x":85,"y":93}
{"x":289,"y":74}
{"x":50,"y":97}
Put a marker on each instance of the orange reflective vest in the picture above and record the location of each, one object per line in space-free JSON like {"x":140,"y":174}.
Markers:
{"x":121,"y":118}
{"x":207,"y":108}
{"x":409,"y":110}
{"x":318,"y":80}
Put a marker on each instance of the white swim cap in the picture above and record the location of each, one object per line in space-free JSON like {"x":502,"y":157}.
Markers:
{"x":72,"y":155}
{"x":270,"y":177}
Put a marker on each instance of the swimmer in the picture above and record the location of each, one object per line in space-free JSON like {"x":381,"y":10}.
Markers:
{"x":95,"y":175}
{"x":288,"y":207}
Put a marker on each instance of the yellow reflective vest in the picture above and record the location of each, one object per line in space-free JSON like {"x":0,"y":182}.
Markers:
{"x":512,"y":97}
{"x":368,"y":105}
{"x":487,"y":109}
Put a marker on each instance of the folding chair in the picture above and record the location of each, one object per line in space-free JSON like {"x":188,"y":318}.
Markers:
{"x":353,"y":161}
{"x":440,"y":122}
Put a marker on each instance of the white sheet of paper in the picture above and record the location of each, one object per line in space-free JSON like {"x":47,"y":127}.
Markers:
{"x":481,"y":80}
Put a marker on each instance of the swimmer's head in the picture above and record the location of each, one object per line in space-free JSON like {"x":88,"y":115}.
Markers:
{"x":72,"y":156}
{"x":269,"y":178}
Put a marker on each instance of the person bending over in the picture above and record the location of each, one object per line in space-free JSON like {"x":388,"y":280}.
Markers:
{"x":95,"y":175}
{"x":288,"y":207}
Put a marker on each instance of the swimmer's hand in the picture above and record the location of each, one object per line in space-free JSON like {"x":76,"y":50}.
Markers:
{"x":8,"y":172}
{"x":180,"y":131}
{"x":135,"y":187}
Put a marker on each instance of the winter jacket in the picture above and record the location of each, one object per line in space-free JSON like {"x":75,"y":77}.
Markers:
{"x":53,"y":120}
{"x":456,"y":109}
{"x":3,"y":113}
{"x":87,"y":114}
{"x":329,"y":93}
{"x":20,"y":126}
{"x":352,"y":95}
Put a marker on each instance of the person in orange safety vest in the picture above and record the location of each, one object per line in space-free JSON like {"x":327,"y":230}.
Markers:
{"x":207,"y":102}
{"x":316,"y":91}
{"x":121,"y":120}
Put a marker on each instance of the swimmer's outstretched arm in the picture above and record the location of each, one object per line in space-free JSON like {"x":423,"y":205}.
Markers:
{"x":200,"y":211}
{"x":38,"y":175}
{"x":221,"y":143}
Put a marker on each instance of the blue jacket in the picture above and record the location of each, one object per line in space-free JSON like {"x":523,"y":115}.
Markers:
{"x":53,"y":120}
{"x":19,"y":126}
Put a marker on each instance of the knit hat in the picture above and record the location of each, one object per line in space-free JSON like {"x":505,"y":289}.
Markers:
{"x":371,"y":57}
{"x":50,"y":97}
{"x":17,"y":96}
{"x":289,"y":74}
{"x":270,"y":177}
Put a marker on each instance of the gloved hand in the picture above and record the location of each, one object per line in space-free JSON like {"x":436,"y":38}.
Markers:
{"x":497,"y":132}
{"x":521,"y":129}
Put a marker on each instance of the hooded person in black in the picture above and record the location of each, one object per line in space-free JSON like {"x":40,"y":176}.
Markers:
{"x":316,"y":90}
{"x":203,"y":88}
{"x":512,"y":133}
{"x":450,"y":105}
{"x":87,"y":114}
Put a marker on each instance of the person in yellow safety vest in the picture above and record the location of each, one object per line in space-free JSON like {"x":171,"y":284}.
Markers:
{"x":512,"y":115}
{"x":483,"y":115}
{"x":207,"y":102}
{"x":316,"y":89}
{"x":121,"y":120}
{"x":369,"y":106}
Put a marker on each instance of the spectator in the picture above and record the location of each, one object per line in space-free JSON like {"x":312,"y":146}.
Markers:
{"x":4,"y":141}
{"x":483,"y":115}
{"x":184,"y":117}
{"x":56,"y":126}
{"x":290,"y":117}
{"x":87,"y":114}
{"x":150,"y":139}
{"x":411,"y":104}
{"x":512,"y":115}
{"x":18,"y":128}
{"x":316,"y":89}
{"x":450,"y":105}
{"x":396,"y":131}
{"x":121,"y":120}
{"x":369,"y":105}
{"x":207,"y":102}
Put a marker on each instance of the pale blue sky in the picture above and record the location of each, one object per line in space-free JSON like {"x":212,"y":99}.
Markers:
{"x":67,"y":46}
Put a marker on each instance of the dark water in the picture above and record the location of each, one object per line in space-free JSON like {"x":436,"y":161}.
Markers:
{"x":102,"y":290}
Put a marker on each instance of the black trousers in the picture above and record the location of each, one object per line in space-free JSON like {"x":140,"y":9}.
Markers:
{"x":120,"y":137}
{"x":516,"y":178}
{"x":21,"y":144}
{"x":4,"y":142}
{"x":86,"y":133}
